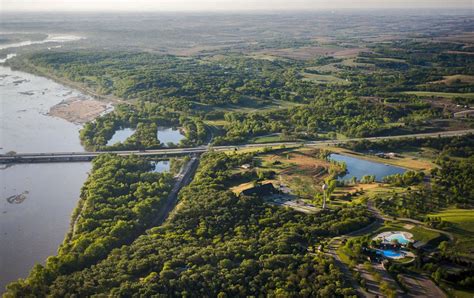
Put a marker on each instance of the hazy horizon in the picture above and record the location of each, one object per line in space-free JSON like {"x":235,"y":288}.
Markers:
{"x":222,"y":5}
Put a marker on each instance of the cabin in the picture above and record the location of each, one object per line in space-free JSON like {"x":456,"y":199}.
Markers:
{"x":260,"y":190}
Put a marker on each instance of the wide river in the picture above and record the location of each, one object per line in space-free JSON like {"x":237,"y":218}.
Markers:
{"x":36,"y":201}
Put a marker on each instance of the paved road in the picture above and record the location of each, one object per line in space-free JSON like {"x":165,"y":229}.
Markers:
{"x":346,"y":271}
{"x":184,"y":177}
{"x":336,"y":242}
{"x":85,"y":156}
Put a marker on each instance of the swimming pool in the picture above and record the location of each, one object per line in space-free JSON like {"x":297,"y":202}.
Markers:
{"x":399,"y":237}
{"x":390,"y":253}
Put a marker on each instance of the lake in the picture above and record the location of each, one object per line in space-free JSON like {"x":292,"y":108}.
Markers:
{"x":120,"y":136}
{"x":161,"y":166}
{"x":169,"y":135}
{"x":359,"y":168}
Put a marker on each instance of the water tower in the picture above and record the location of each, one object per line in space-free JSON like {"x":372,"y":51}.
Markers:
{"x":324,"y":187}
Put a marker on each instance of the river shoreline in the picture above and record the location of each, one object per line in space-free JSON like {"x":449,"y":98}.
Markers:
{"x":38,"y":113}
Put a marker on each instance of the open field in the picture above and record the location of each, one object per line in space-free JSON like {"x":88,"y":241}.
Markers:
{"x":78,"y":110}
{"x":462,"y":227}
{"x":440,"y":94}
{"x":309,"y":52}
{"x":323,"y":79}
{"x":449,"y":80}
{"x":250,"y":105}
{"x":462,"y":218}
{"x":299,"y":169}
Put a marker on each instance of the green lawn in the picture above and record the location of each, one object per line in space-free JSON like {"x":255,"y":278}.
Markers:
{"x":463,"y":219}
{"x":267,"y":139}
{"x":462,"y":227}
{"x":343,"y":254}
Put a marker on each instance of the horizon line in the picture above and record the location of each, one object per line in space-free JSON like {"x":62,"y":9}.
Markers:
{"x":260,"y":10}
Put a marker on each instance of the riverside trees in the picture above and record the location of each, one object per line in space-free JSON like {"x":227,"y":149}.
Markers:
{"x":215,"y":244}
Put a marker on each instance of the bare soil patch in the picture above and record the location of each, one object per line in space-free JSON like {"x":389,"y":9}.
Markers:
{"x":79,"y":110}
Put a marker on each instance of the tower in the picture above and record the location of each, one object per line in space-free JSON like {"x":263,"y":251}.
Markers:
{"x":324,"y":187}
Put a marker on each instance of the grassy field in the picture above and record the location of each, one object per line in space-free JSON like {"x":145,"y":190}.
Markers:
{"x":449,"y":80}
{"x":323,"y":79}
{"x":267,"y":139}
{"x":440,"y":94}
{"x":462,"y":227}
{"x":463,"y":219}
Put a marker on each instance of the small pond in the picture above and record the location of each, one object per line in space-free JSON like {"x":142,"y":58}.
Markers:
{"x":161,"y":166}
{"x":169,"y":135}
{"x":120,"y":136}
{"x":359,"y":168}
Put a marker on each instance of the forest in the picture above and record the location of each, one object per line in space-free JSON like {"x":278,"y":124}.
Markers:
{"x":252,"y":97}
{"x":451,"y":186}
{"x":117,"y":203}
{"x":215,"y":244}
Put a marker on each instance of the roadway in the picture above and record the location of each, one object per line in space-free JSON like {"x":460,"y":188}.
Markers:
{"x":184,"y":177}
{"x":167,"y":152}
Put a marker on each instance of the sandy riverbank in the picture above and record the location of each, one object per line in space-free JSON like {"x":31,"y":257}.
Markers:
{"x":79,"y":110}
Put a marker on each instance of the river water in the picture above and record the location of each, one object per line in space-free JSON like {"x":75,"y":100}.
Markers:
{"x":36,"y":200}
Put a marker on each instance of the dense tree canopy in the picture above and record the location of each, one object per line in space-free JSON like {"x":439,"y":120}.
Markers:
{"x":216,"y":244}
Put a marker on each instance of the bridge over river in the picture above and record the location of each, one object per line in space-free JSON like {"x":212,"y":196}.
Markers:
{"x":170,"y":152}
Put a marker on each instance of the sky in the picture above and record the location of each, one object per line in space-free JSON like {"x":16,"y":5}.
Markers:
{"x":223,"y":5}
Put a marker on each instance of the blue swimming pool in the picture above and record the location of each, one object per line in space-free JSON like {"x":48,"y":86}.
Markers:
{"x":389,"y":253}
{"x":399,"y":237}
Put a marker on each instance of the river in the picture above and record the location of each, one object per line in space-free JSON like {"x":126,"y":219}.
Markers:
{"x":36,"y":201}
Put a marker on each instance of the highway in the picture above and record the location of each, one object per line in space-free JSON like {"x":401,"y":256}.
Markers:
{"x":184,"y":177}
{"x":49,"y":157}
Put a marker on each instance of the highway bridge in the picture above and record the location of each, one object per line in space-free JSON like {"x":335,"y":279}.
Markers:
{"x":170,"y":152}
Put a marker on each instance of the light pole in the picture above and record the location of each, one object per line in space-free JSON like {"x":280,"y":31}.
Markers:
{"x":324,"y":187}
